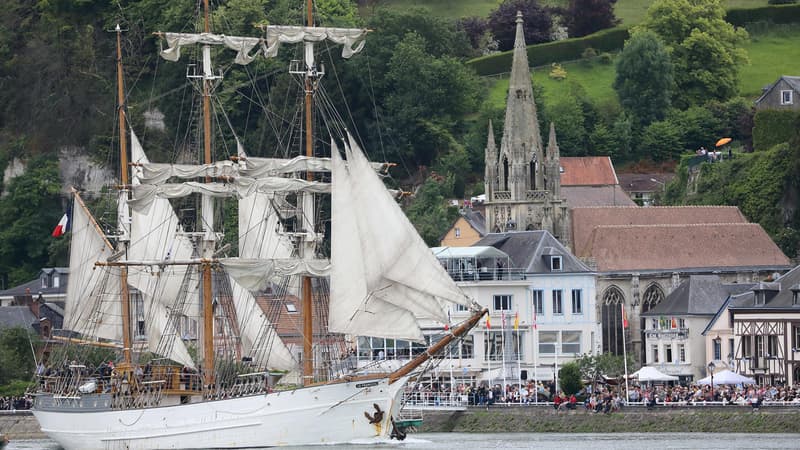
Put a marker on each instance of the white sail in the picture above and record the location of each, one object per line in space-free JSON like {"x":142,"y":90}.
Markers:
{"x":381,"y":267}
{"x":249,"y":48}
{"x":92,"y":306}
{"x":157,"y":235}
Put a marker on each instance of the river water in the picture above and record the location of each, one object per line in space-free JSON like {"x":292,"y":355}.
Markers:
{"x":560,"y":441}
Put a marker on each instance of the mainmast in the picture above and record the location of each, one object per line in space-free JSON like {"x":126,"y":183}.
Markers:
{"x":207,"y":214}
{"x":123,"y":212}
{"x":307,"y":248}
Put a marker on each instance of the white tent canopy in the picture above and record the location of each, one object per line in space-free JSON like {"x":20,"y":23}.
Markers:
{"x":726,"y":377}
{"x":648,"y":373}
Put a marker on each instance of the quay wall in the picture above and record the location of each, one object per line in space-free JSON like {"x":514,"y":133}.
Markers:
{"x":726,"y":419}
{"x":20,"y":425}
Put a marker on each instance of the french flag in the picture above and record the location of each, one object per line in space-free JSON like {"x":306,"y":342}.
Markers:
{"x":62,"y":227}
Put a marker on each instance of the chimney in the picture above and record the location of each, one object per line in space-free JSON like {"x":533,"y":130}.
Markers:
{"x":34,"y":304}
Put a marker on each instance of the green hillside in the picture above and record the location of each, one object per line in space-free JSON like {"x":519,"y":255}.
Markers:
{"x":772,"y":54}
{"x":629,"y":11}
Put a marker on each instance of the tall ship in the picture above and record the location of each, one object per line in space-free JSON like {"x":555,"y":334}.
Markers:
{"x":171,"y":338}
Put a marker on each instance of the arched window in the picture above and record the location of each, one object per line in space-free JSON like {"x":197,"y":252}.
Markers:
{"x":611,"y":313}
{"x":652,"y":296}
{"x":532,"y":173}
{"x":505,"y":173}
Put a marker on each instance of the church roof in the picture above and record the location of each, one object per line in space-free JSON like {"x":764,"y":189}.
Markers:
{"x":699,"y":295}
{"x":684,"y":246}
{"x":587,"y":171}
{"x":585,"y":219}
{"x":578,"y":196}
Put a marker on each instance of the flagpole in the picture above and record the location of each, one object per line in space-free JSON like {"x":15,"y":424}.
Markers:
{"x":518,"y":342}
{"x":489,"y":349}
{"x":503,"y":353}
{"x":535,"y":336}
{"x":625,"y":353}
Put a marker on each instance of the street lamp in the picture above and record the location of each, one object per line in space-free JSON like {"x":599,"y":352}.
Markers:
{"x":711,"y":368}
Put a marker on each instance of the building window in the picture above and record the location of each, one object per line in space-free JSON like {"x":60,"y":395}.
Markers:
{"x":682,"y":324}
{"x":547,"y":342}
{"x":458,"y":232}
{"x":746,"y":348}
{"x":555,"y":263}
{"x":655,"y":353}
{"x":772,"y":345}
{"x":138,"y":311}
{"x":796,"y":337}
{"x":502,"y":302}
{"x":538,"y":301}
{"x":681,"y":353}
{"x":467,"y":346}
{"x":558,"y":305}
{"x":577,"y":306}
{"x":786,"y":97}
{"x":571,"y":342}
{"x":759,"y":346}
{"x":731,"y":349}
{"x":495,"y":342}
{"x":717,"y":349}
{"x":668,"y":353}
{"x":56,"y":280}
{"x":654,"y":323}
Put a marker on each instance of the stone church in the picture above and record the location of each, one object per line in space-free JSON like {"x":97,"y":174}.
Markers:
{"x":522,"y":182}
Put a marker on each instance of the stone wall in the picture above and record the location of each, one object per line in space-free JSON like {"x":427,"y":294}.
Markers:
{"x":20,"y":425}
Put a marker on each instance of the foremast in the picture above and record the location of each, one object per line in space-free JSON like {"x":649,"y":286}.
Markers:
{"x":123,"y":211}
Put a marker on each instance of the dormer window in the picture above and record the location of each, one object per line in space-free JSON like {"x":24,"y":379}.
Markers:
{"x":44,"y":281}
{"x":56,"y":280}
{"x":555,"y":264}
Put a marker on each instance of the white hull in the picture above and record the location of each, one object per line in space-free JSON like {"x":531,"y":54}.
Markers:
{"x":324,"y":414}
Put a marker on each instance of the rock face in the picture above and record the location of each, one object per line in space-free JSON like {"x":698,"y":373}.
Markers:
{"x":78,"y":170}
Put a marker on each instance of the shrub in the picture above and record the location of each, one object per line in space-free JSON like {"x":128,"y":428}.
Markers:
{"x":772,"y":13}
{"x":550,"y":52}
{"x":589,"y":52}
{"x":557,"y":72}
{"x":773,"y":127}
{"x":605,"y":58}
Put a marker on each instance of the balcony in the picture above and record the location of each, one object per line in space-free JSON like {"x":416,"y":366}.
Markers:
{"x":486,"y":274}
{"x":677,"y":333}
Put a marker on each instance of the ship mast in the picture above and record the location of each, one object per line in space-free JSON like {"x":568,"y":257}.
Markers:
{"x":123,"y":213}
{"x":307,"y":248}
{"x":207,"y":215}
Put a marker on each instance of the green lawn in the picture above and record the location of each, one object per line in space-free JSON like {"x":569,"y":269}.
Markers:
{"x":771,"y":55}
{"x":629,"y":11}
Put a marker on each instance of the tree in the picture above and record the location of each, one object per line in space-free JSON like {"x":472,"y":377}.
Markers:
{"x":661,"y":141}
{"x":537,"y":22}
{"x":568,"y":116}
{"x":706,"y":50}
{"x":644,"y":79}
{"x":569,"y":377}
{"x":15,"y":353}
{"x":429,"y":211}
{"x":582,"y":17}
{"x":606,"y":365}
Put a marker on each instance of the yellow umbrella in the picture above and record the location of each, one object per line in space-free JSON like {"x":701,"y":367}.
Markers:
{"x":723,"y":141}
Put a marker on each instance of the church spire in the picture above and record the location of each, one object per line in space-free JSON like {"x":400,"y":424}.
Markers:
{"x":552,"y":146}
{"x":490,"y":172}
{"x":553,"y":164}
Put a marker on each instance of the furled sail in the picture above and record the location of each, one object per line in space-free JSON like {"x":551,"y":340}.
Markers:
{"x":92,"y":307}
{"x":249,"y":48}
{"x":145,"y":194}
{"x":380,"y":265}
{"x":157,"y":235}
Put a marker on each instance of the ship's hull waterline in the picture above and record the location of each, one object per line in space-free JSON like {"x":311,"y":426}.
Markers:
{"x":324,"y":414}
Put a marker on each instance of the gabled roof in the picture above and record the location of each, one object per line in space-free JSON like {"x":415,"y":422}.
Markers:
{"x":672,"y":247}
{"x":584,"y":220}
{"x":699,"y":295}
{"x":17,"y":316}
{"x":587,"y":171}
{"x":475,"y":220}
{"x":578,"y":196}
{"x":794,"y":82}
{"x":34,"y":287}
{"x":643,"y":182}
{"x":528,"y":249}
{"x":781,"y":301}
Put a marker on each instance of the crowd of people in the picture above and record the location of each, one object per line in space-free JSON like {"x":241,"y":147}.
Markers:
{"x":15,"y":403}
{"x":605,"y":398}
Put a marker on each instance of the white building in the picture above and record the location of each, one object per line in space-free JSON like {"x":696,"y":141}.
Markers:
{"x":673,"y":329}
{"x":541,"y":301}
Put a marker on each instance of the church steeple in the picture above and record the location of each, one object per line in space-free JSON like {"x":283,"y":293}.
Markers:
{"x":553,"y":163}
{"x":521,"y":152}
{"x":490,"y":173}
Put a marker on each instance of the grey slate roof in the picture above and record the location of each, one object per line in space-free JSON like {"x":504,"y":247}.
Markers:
{"x":699,"y":295}
{"x":34,"y":287}
{"x":17,"y":316}
{"x":781,"y":301}
{"x":475,"y":219}
{"x":528,"y":248}
{"x":794,"y":82}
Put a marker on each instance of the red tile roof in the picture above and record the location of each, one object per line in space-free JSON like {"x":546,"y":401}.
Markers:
{"x":587,"y":171}
{"x":666,"y":247}
{"x":584,"y":220}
